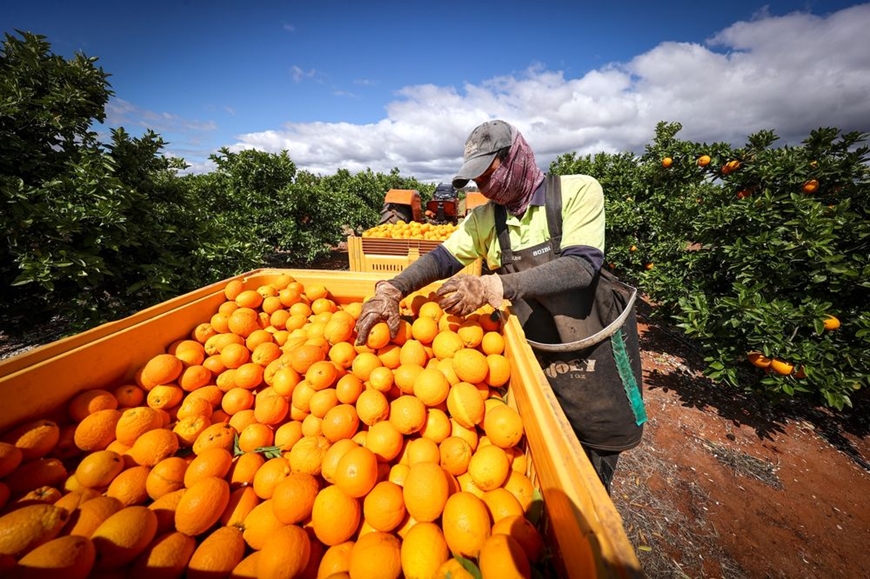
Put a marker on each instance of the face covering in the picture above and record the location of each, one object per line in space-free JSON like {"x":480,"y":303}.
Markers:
{"x":516,"y":179}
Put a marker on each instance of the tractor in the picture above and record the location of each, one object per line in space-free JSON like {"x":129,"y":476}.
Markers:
{"x":406,"y":205}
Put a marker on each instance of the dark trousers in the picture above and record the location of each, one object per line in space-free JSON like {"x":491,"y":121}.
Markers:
{"x":604,"y":464}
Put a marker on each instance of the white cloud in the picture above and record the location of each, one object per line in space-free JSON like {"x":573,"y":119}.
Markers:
{"x":791,"y":73}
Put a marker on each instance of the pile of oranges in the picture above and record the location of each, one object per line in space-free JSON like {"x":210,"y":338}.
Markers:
{"x":268,"y":444}
{"x":413,"y":230}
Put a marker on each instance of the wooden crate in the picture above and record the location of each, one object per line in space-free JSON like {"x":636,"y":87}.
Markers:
{"x":382,"y":255}
{"x":588,"y":534}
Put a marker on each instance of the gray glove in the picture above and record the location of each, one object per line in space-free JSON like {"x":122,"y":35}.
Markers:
{"x":463,"y":294}
{"x":381,"y":307}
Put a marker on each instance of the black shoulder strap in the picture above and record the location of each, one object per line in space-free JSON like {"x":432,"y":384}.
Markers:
{"x":501,"y":231}
{"x":554,"y":211}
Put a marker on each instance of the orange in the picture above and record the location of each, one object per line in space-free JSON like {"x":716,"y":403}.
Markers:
{"x":193,"y":377}
{"x":153,"y":446}
{"x":244,"y":469}
{"x":284,"y":381}
{"x":466,"y":525}
{"x":249,"y":299}
{"x":190,"y":352}
{"x":260,"y":524}
{"x":489,"y":319}
{"x":348,"y":389}
{"x":123,"y":536}
{"x":499,"y":370}
{"x":413,"y":353}
{"x":164,"y":508}
{"x":312,"y":426}
{"x":167,"y":476}
{"x":71,"y":557}
{"x":521,"y":530}
{"x":188,"y":429}
{"x":379,"y":336}
{"x":38,"y":473}
{"x":446,"y":344}
{"x":234,"y":355}
{"x":422,"y":450}
{"x":384,"y":441}
{"x":288,"y":434}
{"x":430,"y":309}
{"x":166,"y":556}
{"x":303,"y":356}
{"x":424,"y":550}
{"x":161,"y":369}
{"x":220,"y":434}
{"x":249,"y":375}
{"x":99,"y":468}
{"x":218,"y":342}
{"x":503,"y":426}
{"x":470,"y":365}
{"x":129,"y":395}
{"x":97,"y":430}
{"x":502,"y":503}
{"x":357,"y":472}
{"x":363,"y":364}
{"x":781,"y":367}
{"x":316,"y":291}
{"x":247,"y":567}
{"x":424,"y":329}
{"x":307,"y":454}
{"x":233,"y":289}
{"x":465,"y":405}
{"x":703,"y":160}
{"x":270,"y":409}
{"x":372,"y":406}
{"x":471,"y":333}
{"x":758,"y":359}
{"x":376,"y":554}
{"x":242,"y":502}
{"x":492,"y":343}
{"x":425,"y":491}
{"x":301,"y":398}
{"x":293,"y":498}
{"x":269,"y":475}
{"x":164,"y":396}
{"x":437,"y":426}
{"x":335,"y":516}
{"x":431,"y":387}
{"x":339,"y":328}
{"x":285,"y":553}
{"x":27,"y":527}
{"x":254,"y":436}
{"x":407,"y":414}
{"x":90,"y":514}
{"x":90,"y":401}
{"x":202,"y":505}
{"x":192,"y":406}
{"x":217,"y":555}
{"x":129,"y":486}
{"x":831,"y":323}
{"x":389,"y":355}
{"x":237,"y":399}
{"x":321,"y":374}
{"x":455,"y":454}
{"x":342,"y":353}
{"x":332,"y":455}
{"x":468,"y":434}
{"x":36,"y":438}
{"x":405,"y":375}
{"x":213,"y":462}
{"x":335,"y":561}
{"x":384,"y":506}
{"x":502,"y":556}
{"x":667,"y":162}
{"x":489,"y":467}
{"x":340,"y":422}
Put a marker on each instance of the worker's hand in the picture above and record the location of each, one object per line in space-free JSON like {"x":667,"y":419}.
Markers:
{"x":381,"y":307}
{"x":463,"y":294}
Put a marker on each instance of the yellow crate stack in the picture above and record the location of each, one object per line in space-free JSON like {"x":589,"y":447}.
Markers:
{"x":384,"y":255}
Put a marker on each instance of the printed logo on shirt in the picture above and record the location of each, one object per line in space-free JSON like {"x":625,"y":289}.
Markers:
{"x":541,"y":251}
{"x":577,"y":366}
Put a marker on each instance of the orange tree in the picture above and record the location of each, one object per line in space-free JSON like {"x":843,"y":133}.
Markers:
{"x":783,"y":247}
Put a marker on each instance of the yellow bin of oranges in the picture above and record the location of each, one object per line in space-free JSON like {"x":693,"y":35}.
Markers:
{"x":584,"y":531}
{"x":386,"y":255}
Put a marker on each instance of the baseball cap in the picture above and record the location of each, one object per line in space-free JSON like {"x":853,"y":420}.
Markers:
{"x":481,"y":147}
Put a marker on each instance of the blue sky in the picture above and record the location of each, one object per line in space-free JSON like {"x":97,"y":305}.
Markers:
{"x":388,"y":84}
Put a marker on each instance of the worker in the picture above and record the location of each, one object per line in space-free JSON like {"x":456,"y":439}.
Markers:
{"x":543,"y":237}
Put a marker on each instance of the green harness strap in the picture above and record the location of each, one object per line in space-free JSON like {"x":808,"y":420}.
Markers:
{"x":623,"y":366}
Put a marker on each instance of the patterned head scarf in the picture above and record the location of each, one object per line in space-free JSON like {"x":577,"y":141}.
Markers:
{"x":516,"y":179}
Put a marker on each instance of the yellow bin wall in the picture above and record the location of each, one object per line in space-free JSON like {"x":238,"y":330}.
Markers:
{"x":581,"y":516}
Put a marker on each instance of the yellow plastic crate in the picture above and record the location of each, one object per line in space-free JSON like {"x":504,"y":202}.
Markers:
{"x":381,"y":255}
{"x":582,"y":521}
